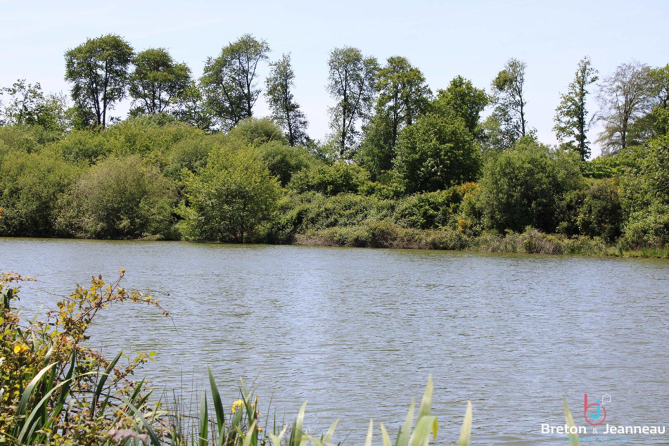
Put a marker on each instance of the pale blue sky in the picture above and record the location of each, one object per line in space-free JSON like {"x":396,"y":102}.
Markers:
{"x":442,"y":38}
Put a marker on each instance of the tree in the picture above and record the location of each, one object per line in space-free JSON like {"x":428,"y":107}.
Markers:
{"x":462,"y":99}
{"x":655,"y":123}
{"x":402,"y":96}
{"x":625,"y":96}
{"x":571,"y":114}
{"x":524,"y":186}
{"x":157,"y":82}
{"x":231,"y":198}
{"x":510,"y":101}
{"x":436,"y":153}
{"x":192,"y":108}
{"x":98,"y":69}
{"x":229,"y":81}
{"x":29,"y":106}
{"x":285,"y":110}
{"x":351,"y":81}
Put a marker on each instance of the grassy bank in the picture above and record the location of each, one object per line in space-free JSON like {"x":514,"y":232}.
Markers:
{"x":384,"y":234}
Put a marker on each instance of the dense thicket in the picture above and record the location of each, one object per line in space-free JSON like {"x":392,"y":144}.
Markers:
{"x":400,"y":158}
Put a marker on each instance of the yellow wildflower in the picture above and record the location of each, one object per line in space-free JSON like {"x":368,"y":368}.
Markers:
{"x":236,"y":404}
{"x":18,"y":348}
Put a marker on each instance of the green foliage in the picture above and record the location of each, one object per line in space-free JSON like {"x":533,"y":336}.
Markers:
{"x":510,"y":103}
{"x":330,"y":179}
{"x":351,"y":82}
{"x":98,"y":70}
{"x":571,"y":114}
{"x":462,"y":99}
{"x":285,"y":110}
{"x":192,"y":109}
{"x":83,"y":146}
{"x":30,"y":186}
{"x":158,"y":82}
{"x":625,"y":96}
{"x":231,"y":198}
{"x":119,"y":198}
{"x":284,"y":161}
{"x":600,"y":213}
{"x":524,"y":187}
{"x":17,"y":138}
{"x":149,"y":136}
{"x":53,"y":388}
{"x":310,"y":211}
{"x":255,"y":132}
{"x":431,"y":210}
{"x":229,"y":81}
{"x":402,"y":96}
{"x":436,"y":153}
{"x":188,"y":156}
{"x":644,"y":196}
{"x":29,"y":106}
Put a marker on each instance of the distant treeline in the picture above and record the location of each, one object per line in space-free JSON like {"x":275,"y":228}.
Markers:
{"x":402,"y":163}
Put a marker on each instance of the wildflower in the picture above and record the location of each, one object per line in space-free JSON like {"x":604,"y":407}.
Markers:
{"x":236,"y":404}
{"x":18,"y":348}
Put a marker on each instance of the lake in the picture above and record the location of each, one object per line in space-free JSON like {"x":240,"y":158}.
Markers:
{"x":357,"y":332}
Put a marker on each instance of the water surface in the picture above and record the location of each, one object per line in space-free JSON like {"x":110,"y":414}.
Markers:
{"x":357,"y":331}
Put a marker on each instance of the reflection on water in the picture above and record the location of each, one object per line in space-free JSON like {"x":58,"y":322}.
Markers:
{"x":358,"y":331}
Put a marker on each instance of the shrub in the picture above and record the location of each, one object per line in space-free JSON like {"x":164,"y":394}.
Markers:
{"x":256,"y":132}
{"x":56,"y":390}
{"x":600,"y":213}
{"x":429,"y":210}
{"x":330,"y":179}
{"x":284,"y":161}
{"x":525,"y":186}
{"x":231,"y":198}
{"x":119,"y":198}
{"x":436,"y":153}
{"x":30,"y":187}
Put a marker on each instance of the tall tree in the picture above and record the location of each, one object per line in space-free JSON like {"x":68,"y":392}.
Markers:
{"x":285,"y":110}
{"x":571,"y":114}
{"x":625,"y":96}
{"x":510,"y":101}
{"x":464,"y":100}
{"x":351,"y":81}
{"x":402,"y":96}
{"x":229,"y":81}
{"x":157,"y":82}
{"x":654,"y":123}
{"x":98,"y":69}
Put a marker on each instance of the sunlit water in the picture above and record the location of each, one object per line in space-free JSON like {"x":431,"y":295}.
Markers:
{"x":356,"y":332}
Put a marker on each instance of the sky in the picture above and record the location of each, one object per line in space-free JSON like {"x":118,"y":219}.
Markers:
{"x":443,"y":39}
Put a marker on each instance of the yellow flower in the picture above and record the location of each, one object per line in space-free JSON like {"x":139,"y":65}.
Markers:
{"x":18,"y":348}
{"x":236,"y":404}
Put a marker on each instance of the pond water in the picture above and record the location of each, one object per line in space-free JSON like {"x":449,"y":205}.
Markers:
{"x":357,"y":332}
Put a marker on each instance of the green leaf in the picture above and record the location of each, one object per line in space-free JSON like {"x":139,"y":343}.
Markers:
{"x":406,"y":429}
{"x":202,"y":440}
{"x":427,"y":400}
{"x":424,"y":427}
{"x":216,"y":401}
